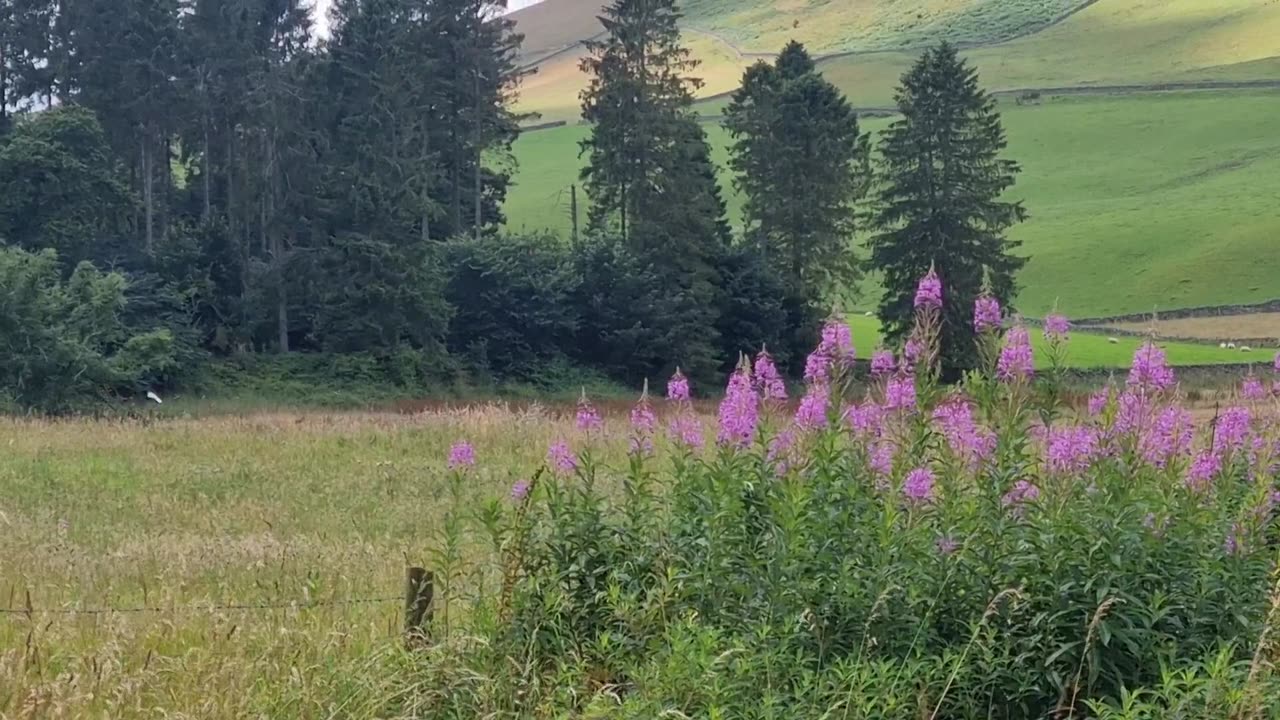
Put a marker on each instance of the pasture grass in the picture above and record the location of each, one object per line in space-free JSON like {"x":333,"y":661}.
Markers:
{"x":1138,"y":203}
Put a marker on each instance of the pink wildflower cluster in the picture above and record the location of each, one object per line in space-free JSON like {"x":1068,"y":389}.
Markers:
{"x":1168,"y":437}
{"x":812,"y":413}
{"x":835,"y":351}
{"x":1016,"y":361}
{"x":643,"y":425}
{"x":1070,"y":449}
{"x":929,"y":291}
{"x":1232,"y":430}
{"x":461,"y":456}
{"x":560,"y":458}
{"x":685,"y":429}
{"x":918,"y":486}
{"x":865,"y":420}
{"x":900,"y":393}
{"x":1149,"y":370}
{"x":1252,"y":389}
{"x":767,"y":378}
{"x":967,"y":440}
{"x":882,"y":363}
{"x":1098,"y":401}
{"x":589,"y":420}
{"x":986,"y":314}
{"x":1022,"y":493}
{"x":1056,"y":327}
{"x":520,"y":490}
{"x":740,"y":410}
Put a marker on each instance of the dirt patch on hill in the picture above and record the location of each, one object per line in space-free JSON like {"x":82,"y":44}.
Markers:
{"x":1223,"y":328}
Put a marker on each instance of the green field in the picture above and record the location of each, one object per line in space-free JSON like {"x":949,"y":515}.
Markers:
{"x":1138,"y":203}
{"x":1111,"y":42}
{"x":1092,"y":350}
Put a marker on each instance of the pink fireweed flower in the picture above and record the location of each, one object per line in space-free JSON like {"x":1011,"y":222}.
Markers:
{"x":520,"y":490}
{"x":781,"y":450}
{"x":1023,"y":492}
{"x":1070,"y":449}
{"x":1149,"y":369}
{"x":865,"y":420}
{"x":812,"y":413}
{"x":1232,"y":430}
{"x":1098,"y":402}
{"x":1168,"y":437}
{"x":1056,"y":327}
{"x":1202,"y":471}
{"x":929,"y":291}
{"x":1252,"y":389}
{"x":461,"y":456}
{"x":678,"y":387}
{"x":1016,"y":361}
{"x":911,"y":352}
{"x":588,"y":418}
{"x":965,"y":438}
{"x":1275,"y":364}
{"x":768,"y":380}
{"x":817,"y":367}
{"x":686,"y":431}
{"x":918,"y":487}
{"x":560,"y":458}
{"x":739,"y":411}
{"x":837,"y":341}
{"x":986,"y":314}
{"x":1132,"y":411}
{"x":881,"y":458}
{"x":643,"y":424}
{"x":946,"y":545}
{"x":900,"y":393}
{"x":882,"y":363}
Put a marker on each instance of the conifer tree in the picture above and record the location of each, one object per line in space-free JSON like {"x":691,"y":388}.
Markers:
{"x":940,"y":201}
{"x":801,"y":164}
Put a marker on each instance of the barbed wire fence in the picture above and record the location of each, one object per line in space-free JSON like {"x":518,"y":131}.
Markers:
{"x":417,"y":603}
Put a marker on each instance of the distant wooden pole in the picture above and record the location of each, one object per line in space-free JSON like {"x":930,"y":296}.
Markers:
{"x":419,"y":588}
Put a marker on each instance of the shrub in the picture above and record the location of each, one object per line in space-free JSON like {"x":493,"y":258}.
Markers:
{"x":978,"y":552}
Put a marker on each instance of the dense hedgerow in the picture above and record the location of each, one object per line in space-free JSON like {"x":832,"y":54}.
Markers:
{"x":982,"y":551}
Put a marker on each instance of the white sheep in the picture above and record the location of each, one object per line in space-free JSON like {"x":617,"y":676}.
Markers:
{"x":1245,"y":348}
{"x":1222,"y":345}
{"x":1231,"y":346}
{"x":1112,"y":340}
{"x":867,"y":314}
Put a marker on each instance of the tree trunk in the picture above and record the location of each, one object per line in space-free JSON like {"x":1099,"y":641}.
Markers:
{"x":207,"y":212}
{"x":147,"y":199}
{"x":282,"y":296}
{"x":166,"y":187}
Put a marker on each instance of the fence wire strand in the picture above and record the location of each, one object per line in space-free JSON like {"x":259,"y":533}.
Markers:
{"x":235,"y":607}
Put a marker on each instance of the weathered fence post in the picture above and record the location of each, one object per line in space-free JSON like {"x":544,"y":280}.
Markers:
{"x":419,"y":587}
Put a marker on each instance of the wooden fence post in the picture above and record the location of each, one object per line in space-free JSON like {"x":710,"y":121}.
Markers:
{"x":419,"y":587}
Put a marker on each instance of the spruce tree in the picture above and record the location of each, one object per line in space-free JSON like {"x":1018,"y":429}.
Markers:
{"x":940,"y":201}
{"x":801,"y":164}
{"x":650,"y":177}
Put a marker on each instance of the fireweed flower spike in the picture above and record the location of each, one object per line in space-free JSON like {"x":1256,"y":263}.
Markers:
{"x":1016,"y":361}
{"x":520,"y":490}
{"x":900,"y":393}
{"x":678,"y":387}
{"x":812,"y":413}
{"x":986,"y":314}
{"x":768,"y":380}
{"x":740,"y":410}
{"x":643,"y":424}
{"x":1149,"y":370}
{"x":929,"y":290}
{"x":918,"y":487}
{"x":1056,"y":327}
{"x":461,"y":456}
{"x":1252,"y":389}
{"x":882,"y":363}
{"x":560,"y":458}
{"x":588,"y":418}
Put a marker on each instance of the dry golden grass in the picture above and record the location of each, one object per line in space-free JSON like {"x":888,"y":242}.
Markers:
{"x":185,"y":515}
{"x":1223,"y":328}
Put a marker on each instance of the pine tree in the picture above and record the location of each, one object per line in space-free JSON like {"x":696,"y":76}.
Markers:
{"x":637,"y":101}
{"x":939,"y":201}
{"x":650,"y":177}
{"x":801,"y":164}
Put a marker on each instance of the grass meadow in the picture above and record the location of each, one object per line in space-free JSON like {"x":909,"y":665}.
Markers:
{"x":1138,"y":203}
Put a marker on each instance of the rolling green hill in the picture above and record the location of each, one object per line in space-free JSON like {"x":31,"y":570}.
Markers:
{"x":1107,"y":42}
{"x":1137,"y":202}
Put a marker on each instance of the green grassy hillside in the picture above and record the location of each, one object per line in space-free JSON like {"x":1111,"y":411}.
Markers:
{"x":1111,"y":42}
{"x":1137,"y":202}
